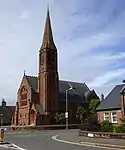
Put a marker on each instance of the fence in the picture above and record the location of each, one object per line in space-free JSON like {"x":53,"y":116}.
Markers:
{"x":42,"y":127}
{"x":102,"y":134}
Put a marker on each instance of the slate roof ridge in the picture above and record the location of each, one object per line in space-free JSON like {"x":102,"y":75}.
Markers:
{"x":31,"y":76}
{"x":81,"y":88}
{"x":114,"y":88}
{"x":122,"y":90}
{"x":61,"y":80}
{"x":72,"y":81}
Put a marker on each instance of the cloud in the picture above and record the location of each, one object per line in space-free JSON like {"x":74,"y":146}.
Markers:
{"x":1,"y":41}
{"x":89,"y":37}
{"x":91,"y":44}
{"x":107,"y":77}
{"x":24,"y":15}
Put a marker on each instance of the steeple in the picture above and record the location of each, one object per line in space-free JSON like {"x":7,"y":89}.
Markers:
{"x":48,"y":41}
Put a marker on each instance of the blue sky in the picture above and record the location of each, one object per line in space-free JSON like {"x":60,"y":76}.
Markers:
{"x":89,"y":35}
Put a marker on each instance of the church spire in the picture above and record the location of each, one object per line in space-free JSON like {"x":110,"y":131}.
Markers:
{"x":48,"y":41}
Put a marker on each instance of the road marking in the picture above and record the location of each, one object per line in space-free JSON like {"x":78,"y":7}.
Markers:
{"x":14,"y":132}
{"x":55,"y":137}
{"x":12,"y":146}
{"x":19,"y":148}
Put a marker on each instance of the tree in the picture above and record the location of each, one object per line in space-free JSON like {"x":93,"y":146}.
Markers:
{"x":80,"y":113}
{"x":93,"y":104}
{"x":60,"y":118}
{"x":91,"y":117}
{"x":88,"y":115}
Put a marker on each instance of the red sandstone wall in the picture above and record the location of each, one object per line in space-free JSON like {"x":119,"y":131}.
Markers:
{"x":23,"y":113}
{"x":122,"y":104}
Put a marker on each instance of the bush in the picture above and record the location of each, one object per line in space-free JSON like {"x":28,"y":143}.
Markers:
{"x":93,"y":125}
{"x":120,"y":129}
{"x":106,"y":126}
{"x":60,"y":118}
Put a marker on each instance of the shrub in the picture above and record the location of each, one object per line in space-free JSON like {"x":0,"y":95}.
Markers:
{"x":106,"y":126}
{"x":122,"y":120}
{"x":120,"y":129}
{"x":93,"y":124}
{"x":60,"y":118}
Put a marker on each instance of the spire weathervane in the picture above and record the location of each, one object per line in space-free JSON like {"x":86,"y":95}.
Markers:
{"x":24,"y":72}
{"x":47,"y":7}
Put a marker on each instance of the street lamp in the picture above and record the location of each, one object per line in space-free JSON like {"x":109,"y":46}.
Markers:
{"x":66,"y":113}
{"x":1,"y":120}
{"x":123,"y":93}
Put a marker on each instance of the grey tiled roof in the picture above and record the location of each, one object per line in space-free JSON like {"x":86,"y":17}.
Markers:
{"x":112,"y":100}
{"x":6,"y":113}
{"x":33,"y":82}
{"x":78,"y":93}
{"x":73,"y":95}
{"x":12,"y":108}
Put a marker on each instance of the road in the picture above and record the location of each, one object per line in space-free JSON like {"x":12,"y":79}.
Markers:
{"x":41,"y":141}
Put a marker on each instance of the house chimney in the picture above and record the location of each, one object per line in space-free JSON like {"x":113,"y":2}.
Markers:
{"x":102,"y":97}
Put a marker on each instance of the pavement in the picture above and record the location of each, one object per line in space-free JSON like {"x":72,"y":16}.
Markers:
{"x":74,"y":138}
{"x":41,"y":140}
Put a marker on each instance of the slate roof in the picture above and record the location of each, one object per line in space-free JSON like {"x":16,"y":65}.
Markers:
{"x":78,"y":93}
{"x":112,"y":101}
{"x":12,"y":109}
{"x":6,"y":114}
{"x":81,"y":89}
{"x":33,"y":82}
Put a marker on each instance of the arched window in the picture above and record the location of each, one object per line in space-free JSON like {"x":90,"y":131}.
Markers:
{"x":23,"y":96}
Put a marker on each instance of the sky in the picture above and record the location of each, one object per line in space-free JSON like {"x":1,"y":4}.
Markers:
{"x":89,"y":35}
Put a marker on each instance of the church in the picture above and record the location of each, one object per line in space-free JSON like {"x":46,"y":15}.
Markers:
{"x":40,"y":97}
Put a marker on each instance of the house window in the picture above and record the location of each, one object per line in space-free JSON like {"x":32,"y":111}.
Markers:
{"x":114,"y":117}
{"x":106,"y":116}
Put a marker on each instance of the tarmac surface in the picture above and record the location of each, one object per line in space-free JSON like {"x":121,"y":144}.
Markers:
{"x":41,"y":141}
{"x":74,"y":137}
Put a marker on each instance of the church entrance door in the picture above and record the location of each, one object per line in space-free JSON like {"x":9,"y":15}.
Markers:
{"x":32,"y":117}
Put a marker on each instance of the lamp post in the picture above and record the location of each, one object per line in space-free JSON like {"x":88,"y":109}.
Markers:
{"x":122,"y":93}
{"x":1,"y":120}
{"x":66,"y":113}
